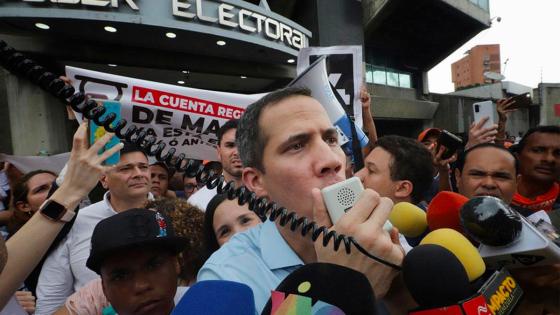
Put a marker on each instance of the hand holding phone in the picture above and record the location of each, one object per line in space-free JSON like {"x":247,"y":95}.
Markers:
{"x":451,"y":143}
{"x":481,"y":110}
{"x":96,"y":132}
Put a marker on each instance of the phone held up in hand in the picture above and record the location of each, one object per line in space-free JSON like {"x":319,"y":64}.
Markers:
{"x":484,"y":109}
{"x":96,"y":132}
{"x":451,"y":143}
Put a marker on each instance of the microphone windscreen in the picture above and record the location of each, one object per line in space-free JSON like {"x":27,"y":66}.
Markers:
{"x":322,"y":288}
{"x":409,"y":219}
{"x":435,"y":277}
{"x":490,"y":221}
{"x":461,"y":247}
{"x":216,"y":297}
{"x":443,"y":211}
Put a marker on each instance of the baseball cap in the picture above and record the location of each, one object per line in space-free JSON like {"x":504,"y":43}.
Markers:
{"x":131,"y":228}
{"x":428,"y":132}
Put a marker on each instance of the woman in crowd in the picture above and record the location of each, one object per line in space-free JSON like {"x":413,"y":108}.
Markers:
{"x":224,"y":218}
{"x":29,"y":193}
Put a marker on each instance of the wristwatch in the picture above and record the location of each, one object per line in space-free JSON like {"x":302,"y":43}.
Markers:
{"x":55,"y":211}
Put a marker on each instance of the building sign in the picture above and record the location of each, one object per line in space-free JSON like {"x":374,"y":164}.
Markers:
{"x":242,"y":17}
{"x":234,"y":17}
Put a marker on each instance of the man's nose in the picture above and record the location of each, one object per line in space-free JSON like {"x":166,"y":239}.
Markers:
{"x":327,"y":161}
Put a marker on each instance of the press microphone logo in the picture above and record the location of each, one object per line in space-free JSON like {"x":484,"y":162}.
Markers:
{"x":299,"y":304}
{"x":482,"y":310}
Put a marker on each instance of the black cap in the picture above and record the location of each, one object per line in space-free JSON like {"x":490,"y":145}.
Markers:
{"x":328,"y":286}
{"x":132,"y":228}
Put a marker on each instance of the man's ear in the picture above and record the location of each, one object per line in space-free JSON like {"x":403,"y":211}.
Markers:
{"x":253,"y":179}
{"x":103,"y":181}
{"x":458,"y":178}
{"x":23,"y":206}
{"x":177,"y":266}
{"x":404,"y":189}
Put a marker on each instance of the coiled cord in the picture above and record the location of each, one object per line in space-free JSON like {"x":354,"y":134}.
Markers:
{"x":18,"y":64}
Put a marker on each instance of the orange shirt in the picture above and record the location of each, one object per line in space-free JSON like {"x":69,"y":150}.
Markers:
{"x":542,"y":202}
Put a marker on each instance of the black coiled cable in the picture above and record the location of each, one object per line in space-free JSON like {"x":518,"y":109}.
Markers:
{"x":18,"y":64}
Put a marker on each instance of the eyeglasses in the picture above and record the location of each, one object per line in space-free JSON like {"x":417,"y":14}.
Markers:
{"x":190,"y":187}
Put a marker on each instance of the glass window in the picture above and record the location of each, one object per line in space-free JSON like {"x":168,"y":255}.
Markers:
{"x":404,"y":80}
{"x":380,"y":77}
{"x":392,"y":79}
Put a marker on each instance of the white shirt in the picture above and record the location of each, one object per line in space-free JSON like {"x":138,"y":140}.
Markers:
{"x":65,"y":271}
{"x":202,"y":197}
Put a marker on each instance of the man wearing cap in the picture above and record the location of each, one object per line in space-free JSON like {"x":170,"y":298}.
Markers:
{"x":135,"y":253}
{"x":231,"y":164}
{"x":160,"y":179}
{"x":64,"y":270}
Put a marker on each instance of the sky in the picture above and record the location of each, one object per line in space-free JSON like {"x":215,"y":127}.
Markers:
{"x":528,"y":37}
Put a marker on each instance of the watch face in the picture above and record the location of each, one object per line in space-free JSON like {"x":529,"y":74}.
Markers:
{"x":53,"y":210}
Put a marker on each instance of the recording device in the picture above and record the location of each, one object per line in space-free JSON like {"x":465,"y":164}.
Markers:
{"x":443,"y":211}
{"x":217,"y":297}
{"x":437,"y":281}
{"x":521,"y":101}
{"x":410,"y":220}
{"x":342,"y":196}
{"x":96,"y":131}
{"x":322,"y":288}
{"x":451,"y":143}
{"x":461,"y":247}
{"x":484,"y":109}
{"x":507,"y":238}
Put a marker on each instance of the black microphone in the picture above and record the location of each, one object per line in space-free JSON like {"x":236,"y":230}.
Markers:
{"x":322,"y":288}
{"x":507,"y":238}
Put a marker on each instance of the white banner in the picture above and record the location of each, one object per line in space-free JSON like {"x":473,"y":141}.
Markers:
{"x":345,"y":73}
{"x":26,"y":164}
{"x":183,"y":118}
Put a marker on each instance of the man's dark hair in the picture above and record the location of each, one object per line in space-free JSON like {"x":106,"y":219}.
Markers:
{"x":410,"y":161}
{"x":463,"y":156}
{"x":542,"y":129}
{"x":130,"y":147}
{"x":230,"y":124}
{"x":249,"y":138}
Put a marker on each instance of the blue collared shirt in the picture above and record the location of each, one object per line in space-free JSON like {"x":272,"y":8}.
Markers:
{"x":259,"y":258}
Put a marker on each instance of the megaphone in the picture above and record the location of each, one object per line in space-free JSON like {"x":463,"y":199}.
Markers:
{"x":316,"y":79}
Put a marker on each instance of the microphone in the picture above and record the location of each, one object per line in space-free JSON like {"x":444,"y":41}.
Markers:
{"x":408,"y":219}
{"x":322,"y":288}
{"x":461,"y":247}
{"x":216,"y":297}
{"x":443,"y":211}
{"x":506,"y":237}
{"x":434,"y":276}
{"x":439,"y":283}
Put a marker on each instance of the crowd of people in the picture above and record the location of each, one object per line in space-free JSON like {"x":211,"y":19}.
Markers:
{"x":154,"y":232}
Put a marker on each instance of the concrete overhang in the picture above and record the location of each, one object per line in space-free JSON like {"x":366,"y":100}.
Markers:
{"x":419,"y":34}
{"x":398,"y":108}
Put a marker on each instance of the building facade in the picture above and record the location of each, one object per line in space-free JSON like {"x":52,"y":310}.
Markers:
{"x":469,"y":70}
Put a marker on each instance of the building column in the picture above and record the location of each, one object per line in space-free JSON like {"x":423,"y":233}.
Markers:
{"x":31,"y":120}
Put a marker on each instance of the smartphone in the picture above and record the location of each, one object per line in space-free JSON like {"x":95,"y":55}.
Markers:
{"x":341,"y":197}
{"x":96,"y":132}
{"x":521,"y":101}
{"x":484,"y":109}
{"x":450,"y":141}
